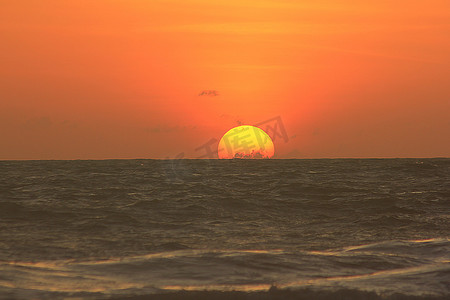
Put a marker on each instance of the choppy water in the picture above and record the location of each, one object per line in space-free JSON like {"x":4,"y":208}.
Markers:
{"x":124,"y":228}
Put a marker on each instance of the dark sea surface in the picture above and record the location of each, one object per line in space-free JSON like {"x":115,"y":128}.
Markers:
{"x":225,"y":229}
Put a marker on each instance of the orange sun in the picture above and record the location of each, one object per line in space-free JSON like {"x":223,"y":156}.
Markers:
{"x":245,"y":142}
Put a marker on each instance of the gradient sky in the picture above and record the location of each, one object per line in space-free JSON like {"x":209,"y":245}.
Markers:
{"x":121,"y":79}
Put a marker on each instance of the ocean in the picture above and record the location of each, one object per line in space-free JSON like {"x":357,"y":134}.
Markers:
{"x":225,"y":229}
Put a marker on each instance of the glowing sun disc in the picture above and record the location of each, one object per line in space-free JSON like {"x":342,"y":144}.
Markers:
{"x":246,"y":142}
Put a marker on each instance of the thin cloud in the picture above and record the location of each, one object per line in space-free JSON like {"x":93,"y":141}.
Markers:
{"x":168,"y":129}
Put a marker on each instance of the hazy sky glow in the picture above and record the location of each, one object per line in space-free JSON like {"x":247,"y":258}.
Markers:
{"x":122,"y":79}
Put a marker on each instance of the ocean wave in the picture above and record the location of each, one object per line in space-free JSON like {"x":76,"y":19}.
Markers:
{"x":277,"y":294}
{"x":408,"y":268}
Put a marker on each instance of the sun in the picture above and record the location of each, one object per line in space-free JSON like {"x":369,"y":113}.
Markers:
{"x":245,"y":142}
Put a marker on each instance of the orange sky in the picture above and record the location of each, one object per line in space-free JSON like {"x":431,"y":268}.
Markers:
{"x":121,"y":79}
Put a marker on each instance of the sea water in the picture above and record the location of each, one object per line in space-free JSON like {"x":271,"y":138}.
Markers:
{"x":216,"y":229}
